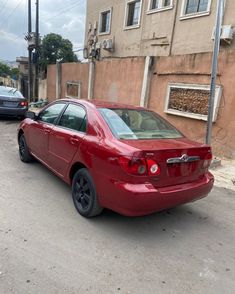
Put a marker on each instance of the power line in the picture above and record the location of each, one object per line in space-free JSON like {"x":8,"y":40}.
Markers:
{"x":11,"y":13}
{"x":65,"y":10}
{"x":4,"y":5}
{"x":48,"y":14}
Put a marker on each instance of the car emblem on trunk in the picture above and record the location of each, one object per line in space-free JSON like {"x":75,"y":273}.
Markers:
{"x":184,"y":157}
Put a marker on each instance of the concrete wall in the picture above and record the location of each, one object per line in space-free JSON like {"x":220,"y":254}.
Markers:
{"x":119,"y":80}
{"x":42,"y":89}
{"x":9,"y":82}
{"x":77,"y":72}
{"x":51,"y":82}
{"x":195,"y":69}
{"x":161,"y":33}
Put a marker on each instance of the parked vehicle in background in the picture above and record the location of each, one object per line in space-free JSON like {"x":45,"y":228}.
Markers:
{"x":121,"y":157}
{"x":12,"y":102}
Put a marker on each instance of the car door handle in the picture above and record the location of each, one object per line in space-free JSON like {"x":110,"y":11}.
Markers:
{"x":74,"y":140}
{"x":47,"y":131}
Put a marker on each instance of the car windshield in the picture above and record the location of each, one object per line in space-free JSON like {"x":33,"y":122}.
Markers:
{"x":10,"y":92}
{"x":135,"y":124}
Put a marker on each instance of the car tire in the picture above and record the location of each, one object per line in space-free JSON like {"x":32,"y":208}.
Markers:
{"x":84,"y":194}
{"x":24,"y":153}
{"x":22,"y":117}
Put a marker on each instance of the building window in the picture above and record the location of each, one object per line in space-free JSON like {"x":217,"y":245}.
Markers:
{"x":73,"y":89}
{"x":105,"y":22}
{"x":196,"y":7}
{"x":190,"y":100}
{"x":159,"y":4}
{"x":133,"y":13}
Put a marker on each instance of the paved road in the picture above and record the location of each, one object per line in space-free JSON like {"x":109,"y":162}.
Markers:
{"x":46,"y":247}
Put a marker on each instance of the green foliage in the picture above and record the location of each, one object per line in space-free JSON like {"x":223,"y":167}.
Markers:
{"x":55,"y":48}
{"x":5,"y":71}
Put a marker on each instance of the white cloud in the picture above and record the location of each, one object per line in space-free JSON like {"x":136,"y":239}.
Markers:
{"x":64,"y":17}
{"x":6,"y":37}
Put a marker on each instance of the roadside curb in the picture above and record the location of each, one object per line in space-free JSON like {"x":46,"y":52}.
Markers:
{"x":216,"y":162}
{"x":224,"y":173}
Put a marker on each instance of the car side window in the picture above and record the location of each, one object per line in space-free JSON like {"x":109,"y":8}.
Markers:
{"x":50,"y":114}
{"x":74,"y":118}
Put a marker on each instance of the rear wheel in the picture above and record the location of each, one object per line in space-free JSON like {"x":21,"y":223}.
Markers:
{"x":24,"y":153}
{"x":21,"y":117}
{"x":84,"y":194}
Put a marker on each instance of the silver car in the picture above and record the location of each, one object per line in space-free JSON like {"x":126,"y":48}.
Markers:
{"x":12,"y":102}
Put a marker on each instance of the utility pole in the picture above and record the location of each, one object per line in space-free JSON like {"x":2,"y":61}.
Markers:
{"x":214,"y":69}
{"x":30,"y":92}
{"x":36,"y":51}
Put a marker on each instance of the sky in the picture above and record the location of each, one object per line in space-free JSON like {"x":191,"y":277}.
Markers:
{"x":64,"y":17}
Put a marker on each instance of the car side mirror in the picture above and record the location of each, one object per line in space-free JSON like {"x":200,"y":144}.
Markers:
{"x":32,"y":115}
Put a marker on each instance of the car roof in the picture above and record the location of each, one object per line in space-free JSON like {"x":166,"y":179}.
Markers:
{"x":103,"y":104}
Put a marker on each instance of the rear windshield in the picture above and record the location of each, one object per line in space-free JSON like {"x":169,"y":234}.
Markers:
{"x":10,"y":92}
{"x":132,"y":124}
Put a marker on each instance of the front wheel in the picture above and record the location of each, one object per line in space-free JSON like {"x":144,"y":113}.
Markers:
{"x":84,"y":194}
{"x":24,"y":153}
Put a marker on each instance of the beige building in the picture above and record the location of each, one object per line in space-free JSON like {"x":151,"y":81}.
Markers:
{"x":124,"y":28}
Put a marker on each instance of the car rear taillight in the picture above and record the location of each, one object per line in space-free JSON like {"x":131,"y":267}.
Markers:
{"x":153,"y":167}
{"x":139,"y":166}
{"x":207,"y":161}
{"x":134,"y":166}
{"x":24,"y":103}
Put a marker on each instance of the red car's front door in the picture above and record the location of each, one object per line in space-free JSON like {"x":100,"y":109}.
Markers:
{"x":65,"y":138}
{"x":39,"y":130}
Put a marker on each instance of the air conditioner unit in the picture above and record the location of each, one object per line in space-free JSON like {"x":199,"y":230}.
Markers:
{"x":108,"y":44}
{"x":227,"y":33}
{"x":98,"y":45}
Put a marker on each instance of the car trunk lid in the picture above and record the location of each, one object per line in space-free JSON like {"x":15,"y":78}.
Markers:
{"x":180,"y":160}
{"x":7,"y":101}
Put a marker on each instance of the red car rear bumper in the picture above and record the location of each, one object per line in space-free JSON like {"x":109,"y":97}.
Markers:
{"x":141,"y":199}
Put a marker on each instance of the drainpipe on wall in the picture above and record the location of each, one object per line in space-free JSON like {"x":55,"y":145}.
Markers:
{"x":146,"y":81}
{"x":173,"y":27}
{"x":91,"y":79}
{"x":58,"y":80}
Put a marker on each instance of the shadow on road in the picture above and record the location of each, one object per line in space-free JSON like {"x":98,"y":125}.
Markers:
{"x":10,"y":120}
{"x":181,"y":221}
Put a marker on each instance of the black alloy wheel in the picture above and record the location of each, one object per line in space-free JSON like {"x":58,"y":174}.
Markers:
{"x":84,"y":194}
{"x":24,"y":153}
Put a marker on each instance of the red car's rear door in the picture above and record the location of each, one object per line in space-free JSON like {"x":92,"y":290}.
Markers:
{"x":38,"y":139}
{"x":65,"y":138}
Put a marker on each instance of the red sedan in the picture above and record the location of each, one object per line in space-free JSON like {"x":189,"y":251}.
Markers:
{"x":115,"y":156}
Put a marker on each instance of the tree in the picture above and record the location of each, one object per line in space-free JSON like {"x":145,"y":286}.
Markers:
{"x":54,"y":48}
{"x":5,"y":71}
{"x":15,"y":73}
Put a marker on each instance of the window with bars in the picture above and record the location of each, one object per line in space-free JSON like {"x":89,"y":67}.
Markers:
{"x":133,"y":12}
